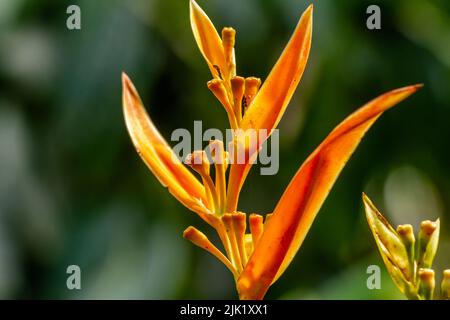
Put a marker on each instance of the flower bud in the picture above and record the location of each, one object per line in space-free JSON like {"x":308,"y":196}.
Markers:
{"x":426,"y":283}
{"x":390,"y":245}
{"x":428,"y":243}
{"x":445,"y":285}
{"x":406,"y":234}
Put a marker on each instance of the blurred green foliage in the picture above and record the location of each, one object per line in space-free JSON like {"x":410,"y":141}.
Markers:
{"x":74,"y":191}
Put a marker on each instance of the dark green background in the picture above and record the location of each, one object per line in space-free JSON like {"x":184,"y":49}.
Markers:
{"x":74,"y":191}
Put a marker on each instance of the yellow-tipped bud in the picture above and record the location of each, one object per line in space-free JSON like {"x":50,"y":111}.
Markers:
{"x":220,"y":158}
{"x":256,"y":227}
{"x":197,"y":237}
{"x":426,"y":283}
{"x":228,"y":38}
{"x":219,"y":155}
{"x":228,"y":222}
{"x":428,"y":227}
{"x":198,"y":160}
{"x":217,"y":87}
{"x":406,"y":234}
{"x":240,"y":224}
{"x":218,"y":152}
{"x":228,"y":41}
{"x":201,"y":240}
{"x":238,"y":87}
{"x":445,"y":285}
{"x":252,"y":85}
{"x":428,"y":243}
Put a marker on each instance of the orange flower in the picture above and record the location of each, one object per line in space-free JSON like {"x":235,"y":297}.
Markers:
{"x":257,"y":256}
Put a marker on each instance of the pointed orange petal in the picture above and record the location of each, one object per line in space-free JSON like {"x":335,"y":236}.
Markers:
{"x":208,"y":40}
{"x":271,"y":101}
{"x":305,"y":194}
{"x":156,"y":153}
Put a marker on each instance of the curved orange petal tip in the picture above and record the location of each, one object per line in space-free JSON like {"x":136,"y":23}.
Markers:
{"x":157,"y":154}
{"x":208,"y":40}
{"x":272,"y":99}
{"x":270,"y":102}
{"x":302,"y":199}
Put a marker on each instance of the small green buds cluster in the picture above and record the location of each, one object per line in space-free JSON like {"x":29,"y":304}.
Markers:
{"x":408,"y":261}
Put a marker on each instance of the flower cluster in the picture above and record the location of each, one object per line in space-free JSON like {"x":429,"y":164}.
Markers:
{"x":408,"y":261}
{"x":256,"y":249}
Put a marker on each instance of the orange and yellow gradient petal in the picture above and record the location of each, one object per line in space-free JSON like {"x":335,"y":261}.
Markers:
{"x":302,"y":199}
{"x":269,"y":104}
{"x":158,"y":155}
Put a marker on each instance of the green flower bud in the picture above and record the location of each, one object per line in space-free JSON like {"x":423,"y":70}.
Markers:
{"x":427,"y":243}
{"x":426,"y":283}
{"x":391,"y":247}
{"x":445,"y":285}
{"x":406,"y":234}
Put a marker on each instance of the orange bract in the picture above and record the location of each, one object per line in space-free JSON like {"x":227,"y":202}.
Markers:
{"x":271,"y":101}
{"x":157,"y":154}
{"x":297,"y":208}
{"x":208,"y":40}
